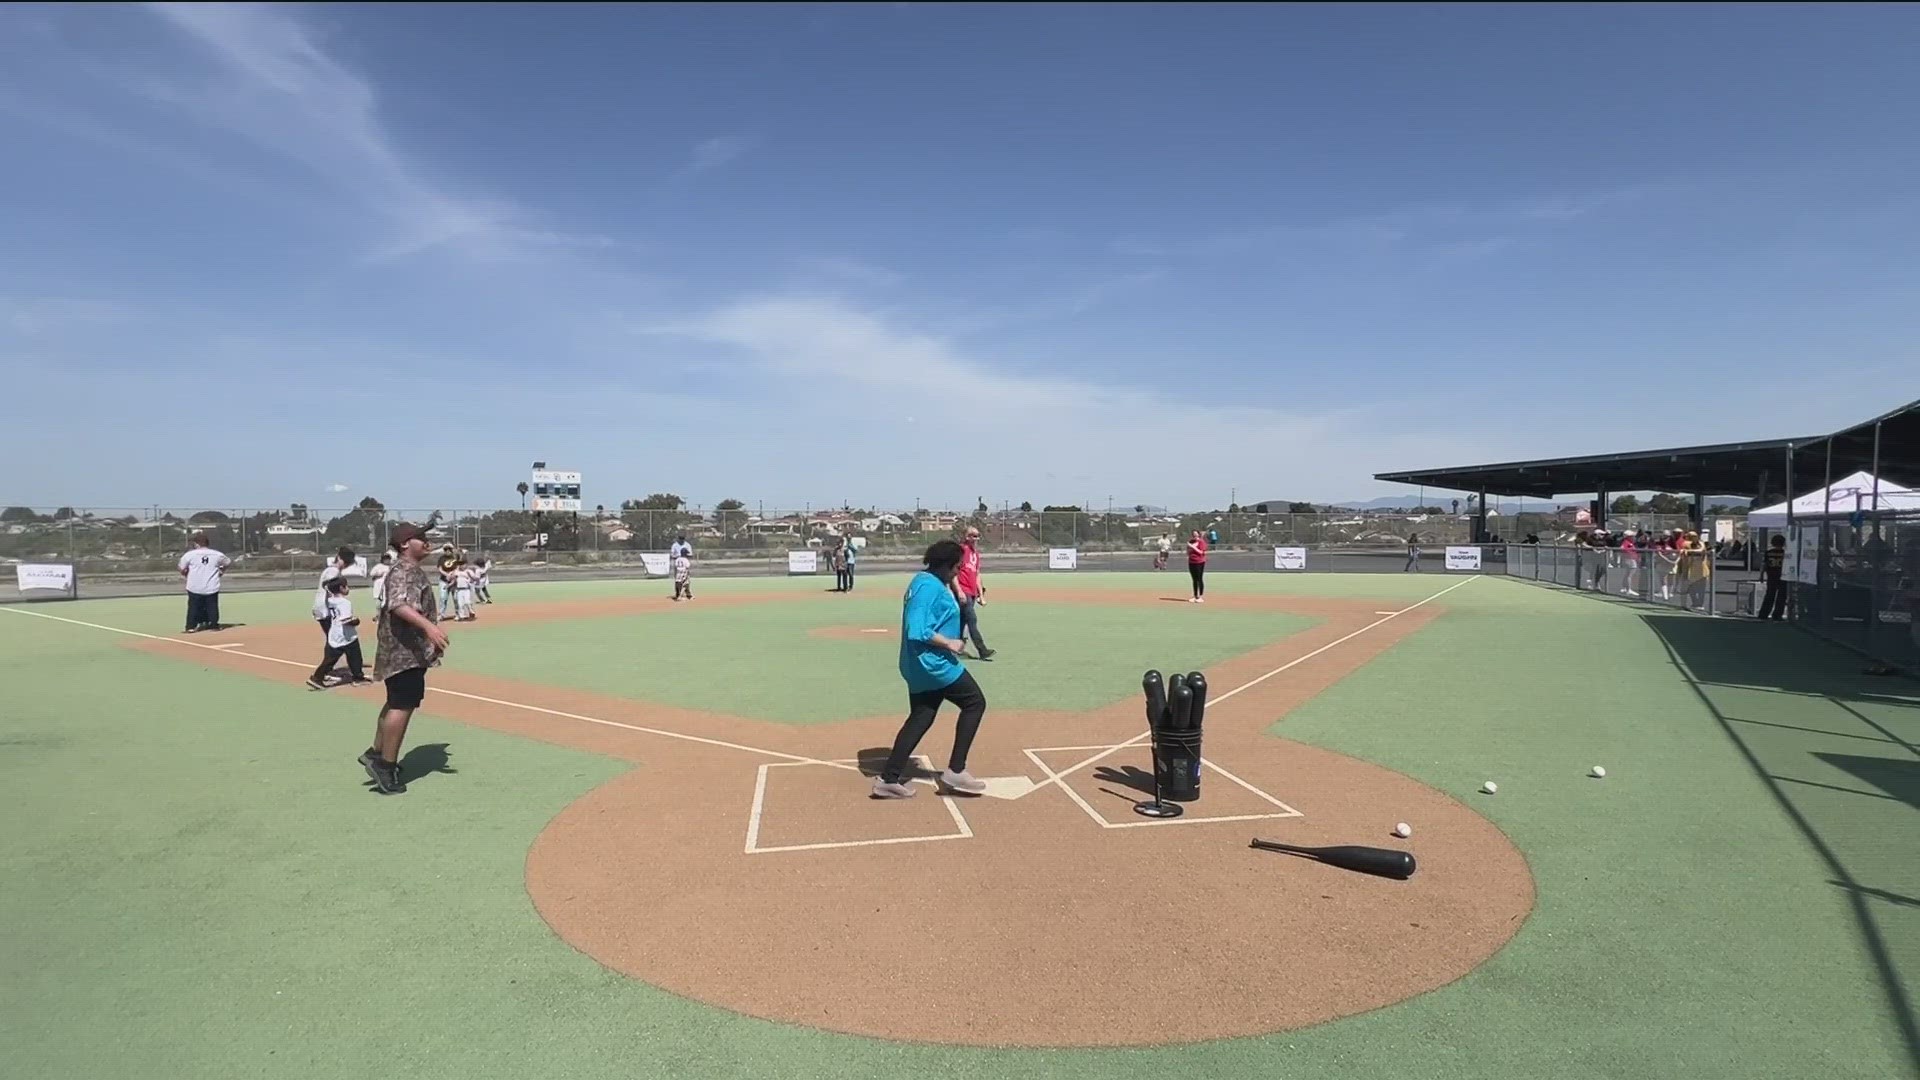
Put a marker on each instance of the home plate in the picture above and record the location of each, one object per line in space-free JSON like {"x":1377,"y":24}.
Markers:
{"x":1007,"y":787}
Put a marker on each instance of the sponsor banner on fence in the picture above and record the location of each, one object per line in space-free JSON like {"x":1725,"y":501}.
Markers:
{"x":1063,"y":559}
{"x":803,"y":562}
{"x":57,"y":576}
{"x":358,"y":569}
{"x":1806,"y":554}
{"x":1463,"y":558}
{"x":656,"y":563}
{"x":1289,"y":558}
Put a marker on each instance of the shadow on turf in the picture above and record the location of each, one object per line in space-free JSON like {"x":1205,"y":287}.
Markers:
{"x":427,"y":759}
{"x":1711,"y":653}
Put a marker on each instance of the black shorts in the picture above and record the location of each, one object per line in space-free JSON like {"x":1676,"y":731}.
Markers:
{"x":407,"y":689}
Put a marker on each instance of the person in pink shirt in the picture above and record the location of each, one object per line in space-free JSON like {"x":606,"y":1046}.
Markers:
{"x":1197,"y":566}
{"x":968,"y":590}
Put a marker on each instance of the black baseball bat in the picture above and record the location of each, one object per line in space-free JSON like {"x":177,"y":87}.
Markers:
{"x":1197,"y":683}
{"x":1383,"y":862}
{"x":1156,"y":699}
{"x":1181,"y":706}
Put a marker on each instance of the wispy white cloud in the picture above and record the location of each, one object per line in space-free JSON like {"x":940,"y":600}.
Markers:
{"x":282,"y":92}
{"x":34,"y":317}
{"x":336,"y":488}
{"x":715,"y":152}
{"x":919,"y":402}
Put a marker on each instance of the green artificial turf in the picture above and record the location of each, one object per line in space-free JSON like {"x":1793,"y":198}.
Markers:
{"x":198,"y":885}
{"x":763,"y":662}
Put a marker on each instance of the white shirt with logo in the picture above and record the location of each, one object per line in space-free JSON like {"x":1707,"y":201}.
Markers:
{"x":339,"y":634}
{"x":204,"y":567}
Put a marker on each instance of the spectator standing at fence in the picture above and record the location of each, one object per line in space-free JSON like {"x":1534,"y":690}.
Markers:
{"x":1413,"y":553}
{"x":379,"y":576}
{"x":204,"y":569}
{"x":970,"y":593}
{"x":411,"y":641}
{"x":1774,"y":568}
{"x":1166,"y":549}
{"x":1197,"y":566}
{"x":853,"y":560}
{"x":1630,"y":560}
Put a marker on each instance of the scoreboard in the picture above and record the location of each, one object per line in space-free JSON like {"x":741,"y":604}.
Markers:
{"x":556,"y":491}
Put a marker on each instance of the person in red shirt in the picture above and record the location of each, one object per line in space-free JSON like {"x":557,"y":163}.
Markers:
{"x":969,"y":592}
{"x":1197,"y":566}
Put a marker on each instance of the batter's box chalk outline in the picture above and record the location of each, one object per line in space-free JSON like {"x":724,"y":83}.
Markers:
{"x":1060,"y":781}
{"x":965,"y":831}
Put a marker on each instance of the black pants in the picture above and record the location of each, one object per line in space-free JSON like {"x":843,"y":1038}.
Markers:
{"x":963,"y":692}
{"x":203,"y":611}
{"x":355,"y":667}
{"x":843,"y":579}
{"x":1774,"y":604}
{"x":1198,"y":571}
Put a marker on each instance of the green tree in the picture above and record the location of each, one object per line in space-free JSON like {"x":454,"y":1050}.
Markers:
{"x":1027,"y":507}
{"x":1664,"y":503}
{"x":1065,"y":526}
{"x":655,"y":520}
{"x":1309,"y":508}
{"x":18,"y":515}
{"x":65,"y":513}
{"x":1625,"y":504}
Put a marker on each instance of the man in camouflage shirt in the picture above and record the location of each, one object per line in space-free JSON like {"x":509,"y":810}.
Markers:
{"x":411,"y":641}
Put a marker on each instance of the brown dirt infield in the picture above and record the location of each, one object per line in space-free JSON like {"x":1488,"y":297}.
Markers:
{"x":1044,"y":928}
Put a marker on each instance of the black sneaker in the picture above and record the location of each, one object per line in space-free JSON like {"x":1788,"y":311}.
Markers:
{"x":315,"y":684}
{"x":386,"y":778}
{"x":987,"y":654}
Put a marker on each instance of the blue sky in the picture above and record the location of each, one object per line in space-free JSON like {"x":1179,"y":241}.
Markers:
{"x":874,"y":254}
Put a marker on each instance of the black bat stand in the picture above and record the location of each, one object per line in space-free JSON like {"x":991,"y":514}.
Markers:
{"x":1158,"y":807}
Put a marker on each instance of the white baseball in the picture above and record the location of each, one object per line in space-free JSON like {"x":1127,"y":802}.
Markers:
{"x":1489,"y":787}
{"x":1599,"y":770}
{"x":1403,"y":830}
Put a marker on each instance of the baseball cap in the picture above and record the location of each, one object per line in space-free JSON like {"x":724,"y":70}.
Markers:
{"x":404,"y":532}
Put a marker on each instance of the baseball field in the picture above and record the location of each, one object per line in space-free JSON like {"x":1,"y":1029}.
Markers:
{"x":637,"y":842}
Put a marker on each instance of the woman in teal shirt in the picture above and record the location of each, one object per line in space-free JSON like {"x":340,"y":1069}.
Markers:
{"x":930,"y":649}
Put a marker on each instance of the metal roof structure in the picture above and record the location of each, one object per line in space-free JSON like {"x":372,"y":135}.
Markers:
{"x":1888,"y":444}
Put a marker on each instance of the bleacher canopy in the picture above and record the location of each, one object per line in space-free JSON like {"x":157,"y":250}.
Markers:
{"x":1756,"y":469}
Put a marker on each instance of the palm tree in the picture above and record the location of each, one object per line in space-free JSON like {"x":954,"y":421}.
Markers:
{"x":522,"y":489}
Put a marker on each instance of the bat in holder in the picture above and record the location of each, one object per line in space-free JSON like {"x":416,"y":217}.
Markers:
{"x":1159,"y":716}
{"x":1381,"y":862}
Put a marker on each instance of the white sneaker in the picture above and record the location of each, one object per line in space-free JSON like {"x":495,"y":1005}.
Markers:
{"x":963,"y":782}
{"x":884,"y":790}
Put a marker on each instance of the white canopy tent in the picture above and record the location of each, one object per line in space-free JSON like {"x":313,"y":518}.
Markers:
{"x":1838,"y":500}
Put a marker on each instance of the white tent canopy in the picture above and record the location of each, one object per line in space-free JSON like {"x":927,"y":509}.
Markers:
{"x":1838,"y":500}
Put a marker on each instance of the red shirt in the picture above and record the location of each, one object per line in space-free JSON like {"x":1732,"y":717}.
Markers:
{"x":969,"y":576}
{"x":1197,"y":552}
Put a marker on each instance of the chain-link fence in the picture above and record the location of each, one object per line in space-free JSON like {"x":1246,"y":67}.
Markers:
{"x":130,"y":551}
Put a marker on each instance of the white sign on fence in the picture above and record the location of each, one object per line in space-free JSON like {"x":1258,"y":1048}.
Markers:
{"x":1063,"y":559}
{"x":656,"y":563}
{"x":1289,"y":558}
{"x":358,"y":569}
{"x":1806,"y":554}
{"x":1463,"y":558}
{"x":803,"y":562}
{"x":54,"y":576}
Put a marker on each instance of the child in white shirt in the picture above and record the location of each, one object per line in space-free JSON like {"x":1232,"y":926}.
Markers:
{"x":343,"y":638}
{"x":682,"y":577}
{"x":463,"y":577}
{"x":482,"y":571}
{"x":379,"y":575}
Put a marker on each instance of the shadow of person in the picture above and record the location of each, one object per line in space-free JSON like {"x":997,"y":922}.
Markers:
{"x":873,"y":761}
{"x":1126,"y":776}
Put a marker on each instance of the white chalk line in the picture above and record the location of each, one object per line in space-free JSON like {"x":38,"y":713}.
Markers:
{"x":1033,"y":754}
{"x":965,"y":831}
{"x":233,"y":650}
{"x":1054,"y":777}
